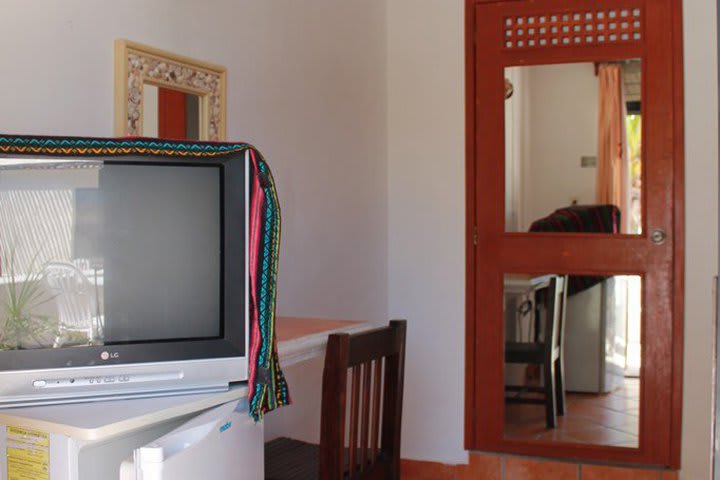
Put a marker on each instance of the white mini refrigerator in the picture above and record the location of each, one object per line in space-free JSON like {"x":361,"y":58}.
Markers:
{"x":596,"y":337}
{"x":188,"y":437}
{"x":222,"y":443}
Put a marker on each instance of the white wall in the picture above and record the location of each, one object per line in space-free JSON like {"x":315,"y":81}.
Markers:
{"x":426,"y":165}
{"x":150,"y":114}
{"x":701,"y":231}
{"x":306,"y":84}
{"x":426,"y":218}
{"x":562,"y":128}
{"x":547,"y":132}
{"x":517,"y":141}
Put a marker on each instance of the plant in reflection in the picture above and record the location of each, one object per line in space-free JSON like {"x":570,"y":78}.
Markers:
{"x":633,"y":127}
{"x":21,"y":323}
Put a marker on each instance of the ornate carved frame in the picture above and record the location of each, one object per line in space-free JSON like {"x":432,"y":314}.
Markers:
{"x":137,"y":65}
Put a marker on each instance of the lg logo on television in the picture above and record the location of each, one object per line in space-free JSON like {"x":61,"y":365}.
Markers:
{"x":109,"y":355}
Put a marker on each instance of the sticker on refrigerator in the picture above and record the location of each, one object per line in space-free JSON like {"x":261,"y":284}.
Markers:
{"x":28,"y":455}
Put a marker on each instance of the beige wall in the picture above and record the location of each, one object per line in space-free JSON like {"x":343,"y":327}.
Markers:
{"x":426,"y":221}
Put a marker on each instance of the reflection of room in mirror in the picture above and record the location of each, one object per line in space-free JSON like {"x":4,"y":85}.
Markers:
{"x":583,"y":333}
{"x":71,"y":256}
{"x":169,"y":113}
{"x":573,"y":148}
{"x":51,"y":278}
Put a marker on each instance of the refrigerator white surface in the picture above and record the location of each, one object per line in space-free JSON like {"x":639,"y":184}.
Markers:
{"x":89,"y":441}
{"x":596,"y":337}
{"x":222,"y":443}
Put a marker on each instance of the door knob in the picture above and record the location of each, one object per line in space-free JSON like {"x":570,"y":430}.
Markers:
{"x":658,"y":236}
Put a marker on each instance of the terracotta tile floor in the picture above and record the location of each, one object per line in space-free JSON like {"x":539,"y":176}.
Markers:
{"x":604,"y":419}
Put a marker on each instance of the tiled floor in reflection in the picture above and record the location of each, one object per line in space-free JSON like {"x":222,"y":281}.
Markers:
{"x":606,"y":419}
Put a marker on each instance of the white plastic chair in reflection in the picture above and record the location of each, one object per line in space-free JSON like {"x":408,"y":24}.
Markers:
{"x":77,"y":303}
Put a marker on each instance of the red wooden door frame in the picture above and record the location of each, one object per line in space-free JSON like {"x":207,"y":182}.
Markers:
{"x":492,"y":252}
{"x":171,"y":114}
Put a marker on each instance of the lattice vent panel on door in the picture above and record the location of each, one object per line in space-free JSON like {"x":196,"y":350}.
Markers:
{"x":566,"y":29}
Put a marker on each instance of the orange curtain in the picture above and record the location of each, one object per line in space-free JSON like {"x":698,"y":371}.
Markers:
{"x":612,"y":168}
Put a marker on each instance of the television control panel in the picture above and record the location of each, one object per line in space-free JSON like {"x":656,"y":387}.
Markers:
{"x":105,"y":380}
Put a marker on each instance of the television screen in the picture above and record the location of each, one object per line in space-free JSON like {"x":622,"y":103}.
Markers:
{"x":109,"y":252}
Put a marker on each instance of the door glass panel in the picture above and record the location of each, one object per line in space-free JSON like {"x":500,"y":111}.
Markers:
{"x":583,"y":334}
{"x":573,"y":150}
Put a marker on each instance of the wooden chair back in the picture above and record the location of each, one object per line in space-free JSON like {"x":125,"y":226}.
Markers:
{"x":374,"y":361}
{"x":555,"y":316}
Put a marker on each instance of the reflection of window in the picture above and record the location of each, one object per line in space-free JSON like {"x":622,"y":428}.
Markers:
{"x":88,"y":223}
{"x":633,"y":125}
{"x":40,"y":203}
{"x":35,"y":227}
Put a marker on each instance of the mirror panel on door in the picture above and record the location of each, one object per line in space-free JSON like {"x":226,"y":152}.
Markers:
{"x":573,"y":156}
{"x":583,"y":333}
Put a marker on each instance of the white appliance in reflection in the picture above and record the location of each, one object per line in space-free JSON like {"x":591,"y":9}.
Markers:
{"x":221,"y":443}
{"x":596,"y":337}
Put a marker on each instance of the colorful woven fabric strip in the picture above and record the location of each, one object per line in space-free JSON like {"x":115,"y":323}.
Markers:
{"x":269,"y":389}
{"x":266,"y":382}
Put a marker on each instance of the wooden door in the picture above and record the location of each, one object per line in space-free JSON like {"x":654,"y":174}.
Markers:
{"x":171,"y":114}
{"x":493,"y":43}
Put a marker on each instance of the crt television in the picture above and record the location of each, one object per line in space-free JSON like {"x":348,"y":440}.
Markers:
{"x":122,"y":276}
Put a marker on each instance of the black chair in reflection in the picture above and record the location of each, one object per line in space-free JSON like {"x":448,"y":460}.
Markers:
{"x":546,"y":352}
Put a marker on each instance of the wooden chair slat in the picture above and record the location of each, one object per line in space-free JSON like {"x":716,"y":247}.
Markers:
{"x":392,"y":402}
{"x":334,"y":395}
{"x":354,"y":408}
{"x":365,"y":419}
{"x":375,"y":431}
